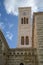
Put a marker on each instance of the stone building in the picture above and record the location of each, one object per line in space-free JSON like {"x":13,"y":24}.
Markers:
{"x":25,"y":53}
{"x":38,"y":35}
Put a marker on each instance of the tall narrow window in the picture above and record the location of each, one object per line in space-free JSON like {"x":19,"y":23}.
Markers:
{"x":21,"y":20}
{"x":27,"y":40}
{"x":24,"y":20}
{"x":22,"y":40}
{"x":27,"y":20}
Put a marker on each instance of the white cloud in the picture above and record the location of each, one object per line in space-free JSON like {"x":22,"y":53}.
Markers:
{"x":11,"y":6}
{"x":9,"y":35}
{"x":39,"y":4}
{"x":2,"y":26}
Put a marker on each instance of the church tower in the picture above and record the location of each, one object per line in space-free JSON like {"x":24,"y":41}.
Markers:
{"x":24,"y":28}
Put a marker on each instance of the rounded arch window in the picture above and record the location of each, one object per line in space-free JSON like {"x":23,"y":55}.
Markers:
{"x":21,"y":64}
{"x":27,"y":40}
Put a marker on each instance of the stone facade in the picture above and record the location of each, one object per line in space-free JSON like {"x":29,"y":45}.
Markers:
{"x":16,"y":56}
{"x":38,"y":35}
{"x":25,"y":54}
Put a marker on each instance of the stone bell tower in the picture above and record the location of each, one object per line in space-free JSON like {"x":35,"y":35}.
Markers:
{"x":24,"y":28}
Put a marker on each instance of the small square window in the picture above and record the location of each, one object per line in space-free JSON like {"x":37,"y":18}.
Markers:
{"x":17,"y":53}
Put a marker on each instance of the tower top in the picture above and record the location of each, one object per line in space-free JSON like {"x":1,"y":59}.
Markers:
{"x":24,"y":8}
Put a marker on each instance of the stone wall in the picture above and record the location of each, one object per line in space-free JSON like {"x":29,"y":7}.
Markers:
{"x":38,"y":35}
{"x":3,"y":49}
{"x":25,"y":56}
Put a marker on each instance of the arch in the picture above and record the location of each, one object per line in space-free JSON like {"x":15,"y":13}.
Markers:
{"x":21,"y":20}
{"x":27,"y":40}
{"x":21,"y":64}
{"x":27,"y":21}
{"x":22,"y":40}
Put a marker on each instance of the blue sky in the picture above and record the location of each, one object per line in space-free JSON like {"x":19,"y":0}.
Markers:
{"x":9,"y":17}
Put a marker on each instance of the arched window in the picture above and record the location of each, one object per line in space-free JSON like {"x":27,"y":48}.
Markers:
{"x":24,"y":20}
{"x":22,"y":40}
{"x":27,"y":20}
{"x":27,"y":40}
{"x":21,"y":20}
{"x":21,"y":64}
